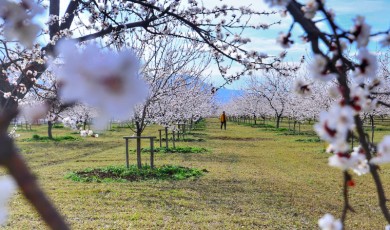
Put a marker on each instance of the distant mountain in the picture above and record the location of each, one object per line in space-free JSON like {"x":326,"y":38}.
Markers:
{"x":224,"y":96}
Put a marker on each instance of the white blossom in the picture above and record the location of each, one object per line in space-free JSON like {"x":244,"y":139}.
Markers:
{"x":284,"y":40}
{"x":361,"y":32}
{"x":328,"y":222}
{"x":338,"y":146}
{"x":361,"y":100}
{"x":106,"y":80}
{"x":335,"y":124}
{"x":367,"y":67}
{"x":83,"y":133}
{"x":319,"y":69}
{"x":361,"y":165}
{"x":69,"y":122}
{"x":310,"y":9}
{"x":356,"y":161}
{"x":18,"y":22}
{"x":302,"y":88}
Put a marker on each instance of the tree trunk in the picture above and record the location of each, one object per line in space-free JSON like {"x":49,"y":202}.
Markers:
{"x":49,"y":129}
{"x":277,"y":121}
{"x":289,"y":123}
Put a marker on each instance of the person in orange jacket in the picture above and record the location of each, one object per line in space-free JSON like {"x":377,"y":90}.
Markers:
{"x":222,"y":118}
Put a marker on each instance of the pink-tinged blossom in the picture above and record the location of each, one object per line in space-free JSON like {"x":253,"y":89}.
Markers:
{"x":18,"y":20}
{"x":360,"y":31}
{"x":328,"y":222}
{"x":302,"y":88}
{"x":343,"y":161}
{"x":319,"y":69}
{"x":310,"y":9}
{"x":361,"y":165}
{"x":383,"y":152}
{"x":334,"y":49}
{"x":284,"y":40}
{"x":356,"y":160}
{"x":106,"y":80}
{"x":335,"y":124}
{"x":338,"y":146}
{"x":361,"y":100}
{"x":272,"y":3}
{"x":385,"y":41}
{"x":367,"y":67}
{"x":8,"y":187}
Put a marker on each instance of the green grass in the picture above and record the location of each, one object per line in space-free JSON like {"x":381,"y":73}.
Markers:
{"x":38,"y":138}
{"x":123,"y":174}
{"x":257,"y":180}
{"x":309,"y":140}
{"x":184,"y":149}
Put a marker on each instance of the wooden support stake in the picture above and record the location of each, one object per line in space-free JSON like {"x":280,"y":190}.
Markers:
{"x":127,"y":153}
{"x":152,"y":152}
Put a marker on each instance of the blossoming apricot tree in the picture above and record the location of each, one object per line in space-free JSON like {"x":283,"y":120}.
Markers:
{"x":112,"y":24}
{"x":357,"y":85}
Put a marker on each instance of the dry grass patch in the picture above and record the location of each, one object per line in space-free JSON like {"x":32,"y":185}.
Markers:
{"x":268,"y":181}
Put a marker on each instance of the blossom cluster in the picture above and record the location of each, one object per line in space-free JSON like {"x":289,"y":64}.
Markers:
{"x":328,"y":222}
{"x":115,"y":76}
{"x":18,"y":18}
{"x":356,"y":84}
{"x":88,"y":133}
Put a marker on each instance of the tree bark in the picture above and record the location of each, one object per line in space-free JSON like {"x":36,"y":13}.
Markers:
{"x":278,"y":121}
{"x":49,"y":129}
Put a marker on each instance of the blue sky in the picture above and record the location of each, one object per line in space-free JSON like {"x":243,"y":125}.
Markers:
{"x":376,"y":13}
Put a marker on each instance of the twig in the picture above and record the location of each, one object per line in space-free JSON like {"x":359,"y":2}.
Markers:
{"x":11,"y":159}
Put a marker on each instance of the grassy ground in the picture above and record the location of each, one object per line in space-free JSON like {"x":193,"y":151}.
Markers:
{"x":259,"y":178}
